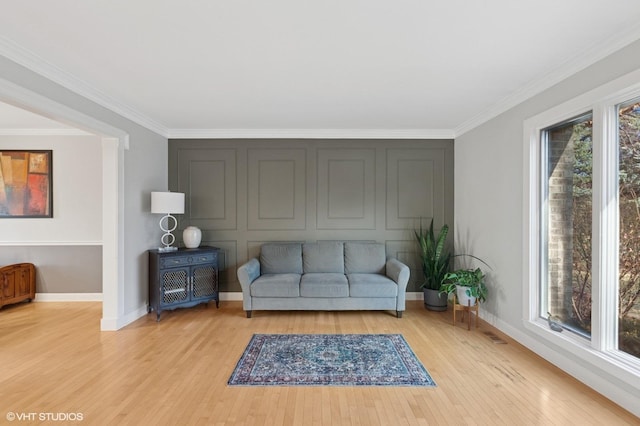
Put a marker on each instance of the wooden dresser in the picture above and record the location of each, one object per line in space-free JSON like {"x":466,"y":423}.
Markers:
{"x":17,"y":283}
{"x":182,"y":278}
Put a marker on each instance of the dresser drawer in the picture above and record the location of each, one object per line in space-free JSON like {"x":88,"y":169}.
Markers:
{"x":203,"y":258}
{"x":186,"y":260}
{"x":169,"y":262}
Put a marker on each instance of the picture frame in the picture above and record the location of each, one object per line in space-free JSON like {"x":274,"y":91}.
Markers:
{"x":26,"y":183}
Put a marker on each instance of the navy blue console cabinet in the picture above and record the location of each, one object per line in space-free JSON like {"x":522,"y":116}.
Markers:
{"x":182,"y":278}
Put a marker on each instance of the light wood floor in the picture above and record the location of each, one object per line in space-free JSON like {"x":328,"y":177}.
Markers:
{"x":54,"y":359}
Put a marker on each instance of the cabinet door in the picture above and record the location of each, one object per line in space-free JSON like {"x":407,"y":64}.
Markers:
{"x":8,"y":284}
{"x":205,"y":283}
{"x":174,"y":285}
{"x":23,"y":282}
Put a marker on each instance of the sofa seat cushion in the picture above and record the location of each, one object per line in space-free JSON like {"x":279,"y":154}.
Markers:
{"x":276,"y":285}
{"x":324,"y":285}
{"x":371,"y":285}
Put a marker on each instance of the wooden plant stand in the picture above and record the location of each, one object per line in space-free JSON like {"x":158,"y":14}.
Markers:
{"x":465,"y":308}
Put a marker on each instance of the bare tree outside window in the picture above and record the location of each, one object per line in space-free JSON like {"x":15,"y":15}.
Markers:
{"x":629,"y":210}
{"x":568,"y":223}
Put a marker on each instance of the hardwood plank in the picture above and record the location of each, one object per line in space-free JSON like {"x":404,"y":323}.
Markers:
{"x":53,"y":358}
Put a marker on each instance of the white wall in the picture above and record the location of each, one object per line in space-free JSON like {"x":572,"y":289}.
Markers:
{"x":146,"y":170}
{"x":488,"y":209}
{"x":77,"y":193}
{"x":143,"y":168}
{"x":55,"y":244}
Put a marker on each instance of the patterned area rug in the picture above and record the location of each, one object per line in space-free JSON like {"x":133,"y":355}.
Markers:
{"x":329,"y":360}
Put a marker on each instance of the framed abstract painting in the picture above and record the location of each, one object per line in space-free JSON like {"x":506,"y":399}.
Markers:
{"x":26,"y":184}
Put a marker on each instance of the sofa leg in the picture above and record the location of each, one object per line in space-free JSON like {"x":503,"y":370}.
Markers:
{"x":399,"y":314}
{"x":249,"y":314}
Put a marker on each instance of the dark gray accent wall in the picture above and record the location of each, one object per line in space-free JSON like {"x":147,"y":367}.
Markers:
{"x":60,"y":269}
{"x":243,"y":192}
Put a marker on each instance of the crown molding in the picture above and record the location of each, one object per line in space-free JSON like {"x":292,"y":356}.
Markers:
{"x":44,"y":132}
{"x":37,"y":64}
{"x":49,"y":243}
{"x":570,"y":67}
{"x":310,"y":134}
{"x":18,"y":54}
{"x":24,"y":98}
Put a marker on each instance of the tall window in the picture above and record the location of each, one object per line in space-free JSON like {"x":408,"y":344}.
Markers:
{"x":566,"y":224}
{"x":581,"y":215}
{"x":629,"y":236}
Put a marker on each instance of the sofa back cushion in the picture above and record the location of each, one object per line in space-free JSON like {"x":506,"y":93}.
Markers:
{"x":323,"y":256}
{"x":281,"y":258}
{"x":364,"y":258}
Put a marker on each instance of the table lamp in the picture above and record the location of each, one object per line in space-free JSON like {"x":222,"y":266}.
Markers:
{"x":167,"y":203}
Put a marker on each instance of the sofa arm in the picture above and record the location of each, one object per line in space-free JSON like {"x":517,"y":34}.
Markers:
{"x":247,"y":273}
{"x":399,"y":272}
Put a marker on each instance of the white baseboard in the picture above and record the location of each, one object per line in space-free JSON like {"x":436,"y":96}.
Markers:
{"x":97,"y":297}
{"x":107,"y":324}
{"x":230,"y":296}
{"x":68,"y":297}
{"x":590,"y":375}
{"x":237,"y":296}
{"x":414,"y":295}
{"x":132,"y":316}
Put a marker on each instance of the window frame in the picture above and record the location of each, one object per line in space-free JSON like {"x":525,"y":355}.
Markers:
{"x":601,"y":349}
{"x":545,"y":210}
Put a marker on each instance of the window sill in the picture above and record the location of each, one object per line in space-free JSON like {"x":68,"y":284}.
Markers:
{"x":619,"y":365}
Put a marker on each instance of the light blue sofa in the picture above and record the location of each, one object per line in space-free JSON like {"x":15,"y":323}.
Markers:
{"x":327,"y":276}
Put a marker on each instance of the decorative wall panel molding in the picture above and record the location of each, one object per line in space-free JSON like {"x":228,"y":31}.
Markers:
{"x":346,"y":193}
{"x":276,"y":189}
{"x":415,"y":186}
{"x":227,"y":259}
{"x":243,"y":193}
{"x":208,"y":177}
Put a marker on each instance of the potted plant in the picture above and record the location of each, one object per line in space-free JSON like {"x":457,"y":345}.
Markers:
{"x":468,"y":285}
{"x":435,"y":260}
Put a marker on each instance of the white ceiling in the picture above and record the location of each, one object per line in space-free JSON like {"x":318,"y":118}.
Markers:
{"x":413,"y":67}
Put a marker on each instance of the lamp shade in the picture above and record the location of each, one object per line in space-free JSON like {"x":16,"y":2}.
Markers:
{"x":167,"y":202}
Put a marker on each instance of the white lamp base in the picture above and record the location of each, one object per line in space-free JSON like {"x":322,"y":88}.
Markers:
{"x":168,"y":238}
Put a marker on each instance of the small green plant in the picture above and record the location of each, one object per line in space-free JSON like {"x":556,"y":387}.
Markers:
{"x":473,"y":279}
{"x":433,"y":255}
